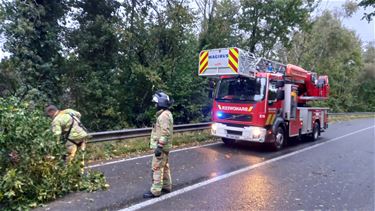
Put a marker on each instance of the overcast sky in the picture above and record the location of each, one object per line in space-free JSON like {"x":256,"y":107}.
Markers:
{"x":364,"y":30}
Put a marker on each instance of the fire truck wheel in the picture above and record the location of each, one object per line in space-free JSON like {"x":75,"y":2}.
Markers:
{"x":315,"y":134}
{"x":228,"y":141}
{"x":279,"y":139}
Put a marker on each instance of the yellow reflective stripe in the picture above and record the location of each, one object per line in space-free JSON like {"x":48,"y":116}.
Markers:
{"x":233,"y":59}
{"x":273,"y":119}
{"x":204,"y":54}
{"x":233,"y":62}
{"x":234,"y":52}
{"x":268,"y":119}
{"x":204,"y":63}
{"x":233,"y":70}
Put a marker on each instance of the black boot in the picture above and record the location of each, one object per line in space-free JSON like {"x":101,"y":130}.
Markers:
{"x":165,"y":191}
{"x":148,"y":195}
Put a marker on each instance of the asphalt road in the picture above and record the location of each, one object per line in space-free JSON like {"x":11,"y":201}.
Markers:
{"x":336,"y":172}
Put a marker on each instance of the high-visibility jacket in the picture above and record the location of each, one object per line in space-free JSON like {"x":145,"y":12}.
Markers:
{"x":162,"y":131}
{"x":62,"y":122}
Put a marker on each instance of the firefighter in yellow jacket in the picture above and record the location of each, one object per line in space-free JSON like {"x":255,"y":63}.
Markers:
{"x":161,"y":143}
{"x":67,"y":127}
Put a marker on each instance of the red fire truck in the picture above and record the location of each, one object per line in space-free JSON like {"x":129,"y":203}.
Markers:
{"x":261,"y":100}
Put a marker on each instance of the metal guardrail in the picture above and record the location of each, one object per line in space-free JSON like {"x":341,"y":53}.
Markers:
{"x":352,"y":113}
{"x":144,"y":132}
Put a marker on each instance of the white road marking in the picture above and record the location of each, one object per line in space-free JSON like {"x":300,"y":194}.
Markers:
{"x":204,"y":183}
{"x":145,"y":156}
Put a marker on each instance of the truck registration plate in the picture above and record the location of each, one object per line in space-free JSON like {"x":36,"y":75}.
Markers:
{"x":233,"y":136}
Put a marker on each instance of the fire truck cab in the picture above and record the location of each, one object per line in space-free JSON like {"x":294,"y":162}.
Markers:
{"x":260,"y":100}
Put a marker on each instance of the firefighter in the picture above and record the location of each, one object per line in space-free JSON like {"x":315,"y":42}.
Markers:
{"x":161,"y":143}
{"x":270,"y":67}
{"x":67,"y":128}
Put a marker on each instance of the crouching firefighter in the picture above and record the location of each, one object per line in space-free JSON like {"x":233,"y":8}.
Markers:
{"x":161,"y":143}
{"x":68,"y":129}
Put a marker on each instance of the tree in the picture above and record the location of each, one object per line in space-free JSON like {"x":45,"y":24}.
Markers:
{"x":188,"y":90}
{"x":350,"y":7}
{"x":159,"y":52}
{"x":136,"y":76}
{"x":32,"y":31}
{"x":219,"y":27}
{"x":9,"y":80}
{"x":366,"y":90}
{"x":329,"y":48}
{"x":264,"y":23}
{"x":366,"y":4}
{"x":90,"y":76}
{"x":174,"y":58}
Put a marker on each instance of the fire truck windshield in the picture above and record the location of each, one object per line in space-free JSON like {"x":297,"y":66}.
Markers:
{"x":241,"y":89}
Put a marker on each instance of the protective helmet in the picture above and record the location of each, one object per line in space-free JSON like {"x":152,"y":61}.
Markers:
{"x":161,"y":99}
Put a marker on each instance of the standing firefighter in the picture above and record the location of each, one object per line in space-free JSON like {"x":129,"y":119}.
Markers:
{"x":161,"y":142}
{"x":67,"y":127}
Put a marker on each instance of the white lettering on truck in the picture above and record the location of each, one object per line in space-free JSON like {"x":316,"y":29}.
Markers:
{"x":235,"y":108}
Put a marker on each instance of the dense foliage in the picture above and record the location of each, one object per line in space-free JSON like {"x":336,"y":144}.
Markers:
{"x":32,"y":170}
{"x":32,"y":32}
{"x":329,"y":48}
{"x":105,"y":58}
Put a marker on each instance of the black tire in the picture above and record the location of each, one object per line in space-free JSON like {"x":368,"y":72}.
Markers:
{"x":280,"y":139}
{"x":300,"y":136}
{"x":228,"y":141}
{"x":316,"y":132}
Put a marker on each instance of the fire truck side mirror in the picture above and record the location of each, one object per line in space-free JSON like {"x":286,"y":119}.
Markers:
{"x":211,"y":89}
{"x":279,"y":84}
{"x":280,"y":94}
{"x":321,"y":83}
{"x":212,"y":84}
{"x":210,"y":93}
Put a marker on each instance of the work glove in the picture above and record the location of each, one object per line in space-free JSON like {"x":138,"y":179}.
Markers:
{"x":158,"y":151}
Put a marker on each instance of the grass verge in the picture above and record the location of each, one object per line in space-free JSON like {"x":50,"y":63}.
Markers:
{"x":140,"y":146}
{"x":340,"y":118}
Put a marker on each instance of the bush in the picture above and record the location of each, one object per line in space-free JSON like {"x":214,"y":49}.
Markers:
{"x":32,"y":169}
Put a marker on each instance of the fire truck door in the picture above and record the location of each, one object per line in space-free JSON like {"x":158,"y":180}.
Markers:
{"x":273,"y":109}
{"x":290,"y":109}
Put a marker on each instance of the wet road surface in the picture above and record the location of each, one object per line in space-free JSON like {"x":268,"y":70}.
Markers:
{"x":335,"y":172}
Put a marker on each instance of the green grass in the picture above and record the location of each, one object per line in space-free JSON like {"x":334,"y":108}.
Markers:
{"x":333,"y":119}
{"x":140,"y":146}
